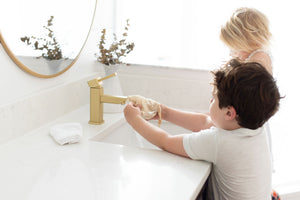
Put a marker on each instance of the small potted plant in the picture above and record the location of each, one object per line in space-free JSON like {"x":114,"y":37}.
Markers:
{"x":113,"y":54}
{"x":49,"y":46}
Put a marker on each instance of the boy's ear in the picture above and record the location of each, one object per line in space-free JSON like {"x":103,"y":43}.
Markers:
{"x":230,"y":113}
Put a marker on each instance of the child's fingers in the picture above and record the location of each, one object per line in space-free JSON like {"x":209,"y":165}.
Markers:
{"x":130,"y":104}
{"x":138,"y":105}
{"x":135,"y":105}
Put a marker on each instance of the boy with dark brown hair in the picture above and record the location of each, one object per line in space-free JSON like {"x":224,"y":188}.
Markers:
{"x":231,"y":137}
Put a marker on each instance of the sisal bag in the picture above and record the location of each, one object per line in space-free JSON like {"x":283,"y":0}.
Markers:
{"x":149,"y":107}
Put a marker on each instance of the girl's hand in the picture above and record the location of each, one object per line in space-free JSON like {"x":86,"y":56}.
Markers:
{"x":131,"y":111}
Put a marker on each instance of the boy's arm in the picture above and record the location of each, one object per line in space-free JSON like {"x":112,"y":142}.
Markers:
{"x":190,"y":120}
{"x":153,"y":134}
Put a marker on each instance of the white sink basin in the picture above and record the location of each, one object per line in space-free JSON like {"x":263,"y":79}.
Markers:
{"x":124,"y":134}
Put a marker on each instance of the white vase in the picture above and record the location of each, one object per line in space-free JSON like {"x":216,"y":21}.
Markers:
{"x":54,"y":66}
{"x":112,"y":86}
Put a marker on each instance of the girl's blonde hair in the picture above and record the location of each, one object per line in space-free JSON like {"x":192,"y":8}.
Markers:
{"x":247,"y":30}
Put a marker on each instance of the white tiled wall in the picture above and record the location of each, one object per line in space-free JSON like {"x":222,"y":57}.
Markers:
{"x":23,"y":115}
{"x":180,"y":88}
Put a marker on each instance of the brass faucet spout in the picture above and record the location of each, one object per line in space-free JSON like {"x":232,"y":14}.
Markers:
{"x":113,"y":99}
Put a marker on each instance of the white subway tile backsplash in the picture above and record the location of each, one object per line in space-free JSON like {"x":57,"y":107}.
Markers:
{"x":179,"y":88}
{"x":24,"y":115}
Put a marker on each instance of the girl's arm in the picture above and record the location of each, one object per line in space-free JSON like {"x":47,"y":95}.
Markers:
{"x":155,"y":135}
{"x":189,"y":120}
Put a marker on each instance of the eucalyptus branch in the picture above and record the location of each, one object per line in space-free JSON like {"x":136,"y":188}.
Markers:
{"x":117,"y":50}
{"x":49,"y":45}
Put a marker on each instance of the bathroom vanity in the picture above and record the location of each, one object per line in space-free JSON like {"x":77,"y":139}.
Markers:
{"x":34,"y":166}
{"x":102,"y":166}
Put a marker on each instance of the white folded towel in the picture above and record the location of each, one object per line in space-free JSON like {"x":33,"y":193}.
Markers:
{"x":67,"y":133}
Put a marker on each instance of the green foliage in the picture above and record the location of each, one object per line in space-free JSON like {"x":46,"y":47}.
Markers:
{"x":49,"y":45}
{"x":116,"y":51}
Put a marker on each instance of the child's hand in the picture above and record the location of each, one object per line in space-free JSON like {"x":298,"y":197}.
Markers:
{"x":131,"y":111}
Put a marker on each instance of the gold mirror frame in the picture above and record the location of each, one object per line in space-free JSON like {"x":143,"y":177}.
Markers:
{"x":26,"y":69}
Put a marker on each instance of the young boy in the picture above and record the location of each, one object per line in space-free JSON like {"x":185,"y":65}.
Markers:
{"x":244,"y":97}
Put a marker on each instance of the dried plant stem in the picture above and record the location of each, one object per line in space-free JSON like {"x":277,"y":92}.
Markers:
{"x":49,"y":45}
{"x":117,"y":50}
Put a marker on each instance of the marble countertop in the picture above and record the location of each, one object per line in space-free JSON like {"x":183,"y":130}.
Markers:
{"x":35,"y":167}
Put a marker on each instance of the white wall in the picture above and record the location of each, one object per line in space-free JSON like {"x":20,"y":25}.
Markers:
{"x":28,"y":102}
{"x":16,"y":84}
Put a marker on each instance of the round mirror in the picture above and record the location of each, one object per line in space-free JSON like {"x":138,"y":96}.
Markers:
{"x":45,"y":38}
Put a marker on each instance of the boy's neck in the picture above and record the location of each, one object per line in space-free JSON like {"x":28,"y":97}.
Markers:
{"x":230,"y":125}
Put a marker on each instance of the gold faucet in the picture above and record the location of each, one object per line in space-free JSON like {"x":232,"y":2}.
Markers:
{"x":97,"y":98}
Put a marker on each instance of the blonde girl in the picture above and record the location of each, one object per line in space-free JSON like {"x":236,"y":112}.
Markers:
{"x":247,"y":35}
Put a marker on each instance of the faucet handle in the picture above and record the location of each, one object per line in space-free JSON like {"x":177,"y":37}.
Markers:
{"x":95,"y":83}
{"x":107,"y":77}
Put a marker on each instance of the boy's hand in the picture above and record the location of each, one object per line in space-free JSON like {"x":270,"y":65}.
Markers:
{"x":131,"y":111}
{"x":149,"y":107}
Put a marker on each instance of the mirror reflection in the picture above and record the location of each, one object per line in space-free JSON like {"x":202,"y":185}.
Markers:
{"x":46,"y":37}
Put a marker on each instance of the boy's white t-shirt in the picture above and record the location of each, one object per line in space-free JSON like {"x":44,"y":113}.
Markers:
{"x":242,"y":168}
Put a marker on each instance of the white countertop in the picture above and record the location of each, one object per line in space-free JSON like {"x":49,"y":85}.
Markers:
{"x":35,"y":167}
